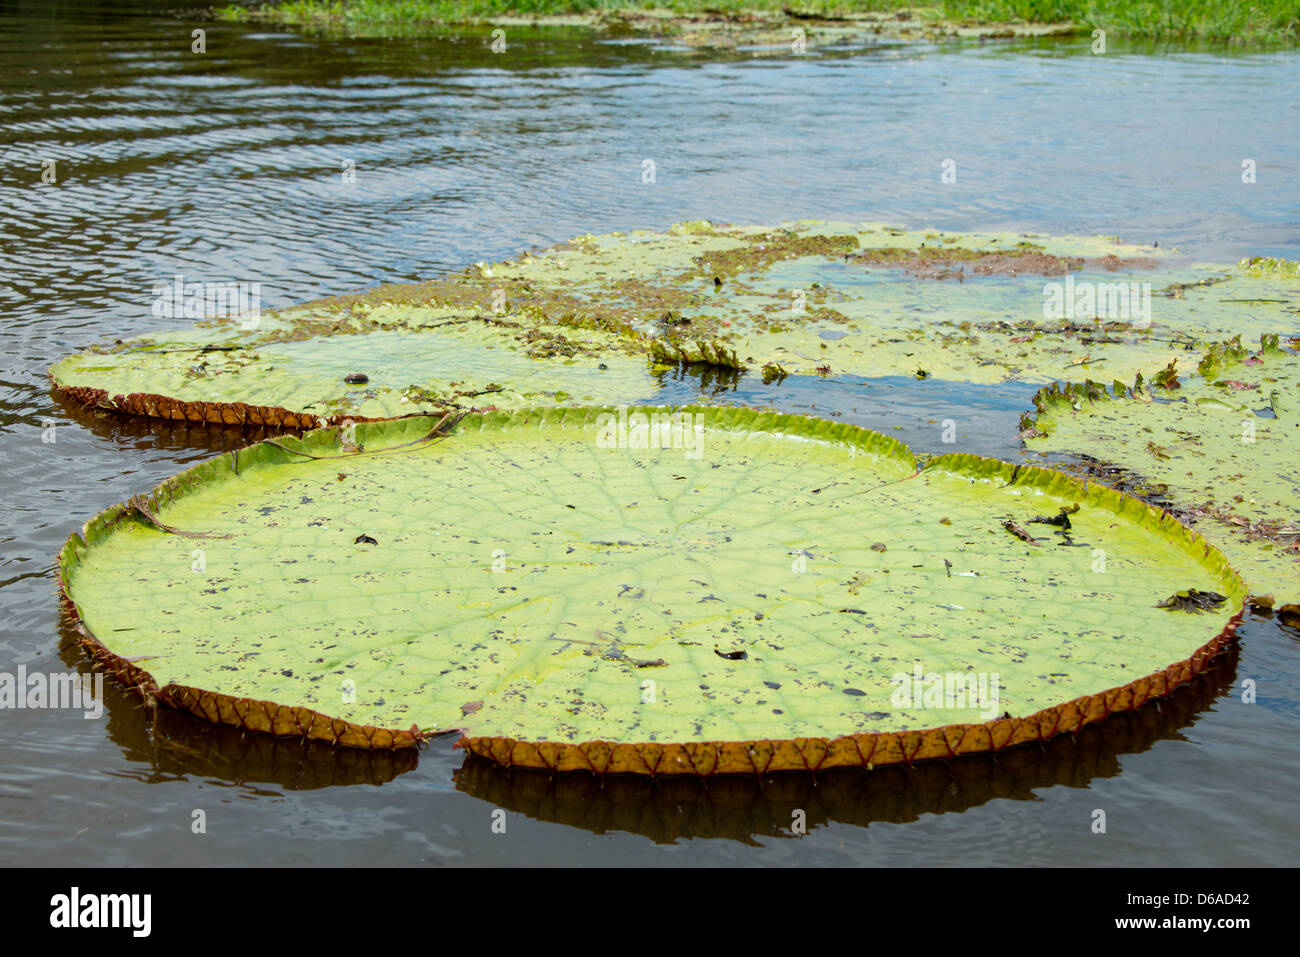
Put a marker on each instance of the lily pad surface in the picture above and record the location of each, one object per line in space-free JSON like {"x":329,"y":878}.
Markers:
{"x":314,"y":367}
{"x":596,"y":319}
{"x":649,"y":590}
{"x":1221,"y":444}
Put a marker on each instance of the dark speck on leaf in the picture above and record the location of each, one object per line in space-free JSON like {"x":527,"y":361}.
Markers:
{"x":857,"y":693}
{"x":364,"y":540}
{"x":773,"y":684}
{"x":731,"y":655}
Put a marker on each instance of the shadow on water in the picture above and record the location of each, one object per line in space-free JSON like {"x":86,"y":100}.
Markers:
{"x":744,"y":809}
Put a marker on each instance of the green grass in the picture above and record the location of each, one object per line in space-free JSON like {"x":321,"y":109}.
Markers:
{"x":1151,"y":19}
{"x":1222,"y":20}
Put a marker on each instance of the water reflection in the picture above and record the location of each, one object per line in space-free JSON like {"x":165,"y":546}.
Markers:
{"x":743,"y":808}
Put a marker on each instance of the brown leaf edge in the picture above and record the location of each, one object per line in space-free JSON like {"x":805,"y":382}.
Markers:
{"x":153,"y":406}
{"x":247,"y":713}
{"x":708,"y":758}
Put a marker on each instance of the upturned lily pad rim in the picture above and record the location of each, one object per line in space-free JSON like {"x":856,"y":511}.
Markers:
{"x":704,"y":758}
{"x":151,"y":405}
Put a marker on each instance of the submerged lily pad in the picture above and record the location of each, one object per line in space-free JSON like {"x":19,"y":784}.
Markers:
{"x":589,"y":322}
{"x":1222,"y":448}
{"x":706,"y":591}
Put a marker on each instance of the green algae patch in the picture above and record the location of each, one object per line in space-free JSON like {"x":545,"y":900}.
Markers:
{"x":1219,"y":442}
{"x":648,"y":590}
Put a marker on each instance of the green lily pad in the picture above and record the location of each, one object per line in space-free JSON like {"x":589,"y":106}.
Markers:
{"x":1223,"y":448}
{"x":587,"y":322}
{"x":755,"y":591}
{"x":300,"y":369}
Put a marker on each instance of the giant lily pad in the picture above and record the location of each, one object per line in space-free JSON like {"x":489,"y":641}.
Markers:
{"x":706,"y":591}
{"x":307,"y":368}
{"x":1220,"y":442}
{"x":586,"y":322}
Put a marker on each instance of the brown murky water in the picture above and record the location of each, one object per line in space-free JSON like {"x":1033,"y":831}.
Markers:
{"x":227,"y":167}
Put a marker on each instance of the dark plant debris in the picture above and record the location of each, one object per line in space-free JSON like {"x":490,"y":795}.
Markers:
{"x":1193,"y":600}
{"x":1018,"y":530}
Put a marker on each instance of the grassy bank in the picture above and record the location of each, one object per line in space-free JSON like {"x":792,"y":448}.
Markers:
{"x":1225,"y":20}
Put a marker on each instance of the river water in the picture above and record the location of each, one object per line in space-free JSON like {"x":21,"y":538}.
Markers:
{"x":227,"y":166}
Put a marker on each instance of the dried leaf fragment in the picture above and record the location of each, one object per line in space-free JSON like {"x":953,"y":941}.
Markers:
{"x":1018,"y":530}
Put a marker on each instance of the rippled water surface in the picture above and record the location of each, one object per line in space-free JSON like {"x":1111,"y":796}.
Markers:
{"x":227,"y":166}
